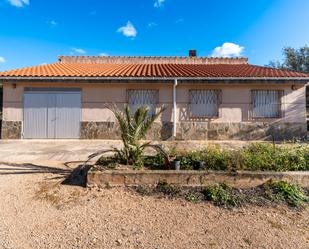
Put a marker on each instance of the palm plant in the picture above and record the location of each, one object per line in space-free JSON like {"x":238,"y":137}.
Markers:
{"x":134,"y":128}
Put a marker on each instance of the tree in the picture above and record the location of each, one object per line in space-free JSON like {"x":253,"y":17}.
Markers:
{"x":133,"y":129}
{"x":294,"y":59}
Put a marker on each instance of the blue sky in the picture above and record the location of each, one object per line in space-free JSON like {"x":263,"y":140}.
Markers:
{"x":34,"y":32}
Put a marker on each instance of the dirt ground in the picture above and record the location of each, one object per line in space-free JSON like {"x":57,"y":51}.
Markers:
{"x":37,"y":211}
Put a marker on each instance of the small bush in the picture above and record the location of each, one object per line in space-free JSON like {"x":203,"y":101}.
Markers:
{"x":192,"y":196}
{"x":154,"y":162}
{"x":265,"y":156}
{"x":143,"y":191}
{"x":292,"y":194}
{"x":213,"y":158}
{"x":221,"y":195}
{"x":216,"y":159}
{"x":107,"y":162}
{"x":167,"y":189}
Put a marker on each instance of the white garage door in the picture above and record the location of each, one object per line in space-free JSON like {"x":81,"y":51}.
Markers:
{"x":52,"y":114}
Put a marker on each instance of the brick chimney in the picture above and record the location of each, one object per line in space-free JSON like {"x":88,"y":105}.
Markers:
{"x":192,"y":53}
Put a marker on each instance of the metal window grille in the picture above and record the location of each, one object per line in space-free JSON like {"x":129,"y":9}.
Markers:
{"x":138,"y":98}
{"x":266,"y":103}
{"x":205,"y":103}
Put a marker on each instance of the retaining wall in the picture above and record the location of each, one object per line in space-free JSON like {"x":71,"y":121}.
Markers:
{"x":240,"y":179}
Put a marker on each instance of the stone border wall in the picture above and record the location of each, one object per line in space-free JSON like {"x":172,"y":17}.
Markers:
{"x":243,"y":179}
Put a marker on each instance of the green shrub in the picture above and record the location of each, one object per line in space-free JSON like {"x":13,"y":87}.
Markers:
{"x":292,"y":194}
{"x":107,"y":162}
{"x":256,"y":156}
{"x":265,"y":156}
{"x":156,"y":162}
{"x":143,"y":190}
{"x":216,"y":159}
{"x":213,"y":158}
{"x":192,"y":197}
{"x":167,"y":189}
{"x":221,"y":195}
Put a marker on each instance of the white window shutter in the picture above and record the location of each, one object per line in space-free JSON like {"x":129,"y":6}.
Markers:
{"x":138,"y":98}
{"x":205,"y":103}
{"x":266,"y":103}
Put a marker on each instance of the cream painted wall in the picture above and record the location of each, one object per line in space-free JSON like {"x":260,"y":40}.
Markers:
{"x":235,"y":105}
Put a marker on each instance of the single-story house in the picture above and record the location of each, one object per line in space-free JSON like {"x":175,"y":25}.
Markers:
{"x":205,"y":98}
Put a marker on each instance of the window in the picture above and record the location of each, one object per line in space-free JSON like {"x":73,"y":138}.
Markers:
{"x":138,"y":98}
{"x":266,"y":103}
{"x":205,"y":103}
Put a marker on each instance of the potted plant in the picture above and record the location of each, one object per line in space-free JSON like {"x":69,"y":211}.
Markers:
{"x":176,"y":163}
{"x":197,"y":165}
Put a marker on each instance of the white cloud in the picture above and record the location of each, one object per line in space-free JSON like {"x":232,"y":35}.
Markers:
{"x":228,"y":49}
{"x":159,"y":3}
{"x":2,"y":59}
{"x":79,"y":50}
{"x":128,"y":30}
{"x":152,"y":24}
{"x":180,"y":20}
{"x":52,"y":23}
{"x":103,"y":54}
{"x":19,"y":3}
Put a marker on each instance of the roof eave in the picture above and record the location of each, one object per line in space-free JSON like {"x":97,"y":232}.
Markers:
{"x":69,"y":78}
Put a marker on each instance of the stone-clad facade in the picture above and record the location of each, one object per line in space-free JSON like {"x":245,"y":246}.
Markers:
{"x":203,"y":131}
{"x":11,"y":129}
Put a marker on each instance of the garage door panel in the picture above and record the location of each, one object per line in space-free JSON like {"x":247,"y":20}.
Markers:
{"x":68,"y":115}
{"x":35,"y":115}
{"x":51,"y":116}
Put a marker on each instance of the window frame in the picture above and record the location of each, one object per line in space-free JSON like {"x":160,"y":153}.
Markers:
{"x":153,"y":106}
{"x":219,"y":102}
{"x":279,"y":104}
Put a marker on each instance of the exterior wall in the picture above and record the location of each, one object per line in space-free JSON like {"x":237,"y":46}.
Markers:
{"x":234,"y":121}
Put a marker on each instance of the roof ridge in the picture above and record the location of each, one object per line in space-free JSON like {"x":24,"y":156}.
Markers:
{"x":152,"y":56}
{"x":154,"y":59}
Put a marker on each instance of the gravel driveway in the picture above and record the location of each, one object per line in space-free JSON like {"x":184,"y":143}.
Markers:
{"x":37,"y":211}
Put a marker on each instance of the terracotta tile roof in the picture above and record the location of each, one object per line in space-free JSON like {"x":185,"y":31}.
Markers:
{"x":61,"y":69}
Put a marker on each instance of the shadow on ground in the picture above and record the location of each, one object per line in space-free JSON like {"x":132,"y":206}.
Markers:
{"x":72,"y":176}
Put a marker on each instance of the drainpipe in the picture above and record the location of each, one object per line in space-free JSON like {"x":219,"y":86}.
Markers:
{"x":174,"y":108}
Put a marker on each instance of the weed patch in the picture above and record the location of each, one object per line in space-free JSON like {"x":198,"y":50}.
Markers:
{"x":222,"y":195}
{"x":167,"y":189}
{"x":282,"y":191}
{"x":269,"y":194}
